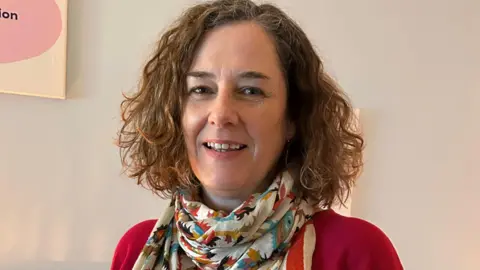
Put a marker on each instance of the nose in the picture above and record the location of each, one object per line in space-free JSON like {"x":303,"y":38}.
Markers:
{"x":223,"y":112}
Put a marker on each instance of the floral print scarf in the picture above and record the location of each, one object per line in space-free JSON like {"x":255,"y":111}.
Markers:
{"x":256,"y":235}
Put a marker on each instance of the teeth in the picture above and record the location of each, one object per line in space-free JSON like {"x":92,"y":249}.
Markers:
{"x":223,"y":146}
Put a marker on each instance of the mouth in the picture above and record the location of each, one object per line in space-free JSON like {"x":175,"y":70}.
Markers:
{"x":224,"y":147}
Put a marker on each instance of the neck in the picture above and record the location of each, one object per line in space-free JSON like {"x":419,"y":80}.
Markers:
{"x":220,"y":202}
{"x":228,"y":200}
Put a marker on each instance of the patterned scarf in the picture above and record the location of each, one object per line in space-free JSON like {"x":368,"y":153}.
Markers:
{"x":266,"y":232}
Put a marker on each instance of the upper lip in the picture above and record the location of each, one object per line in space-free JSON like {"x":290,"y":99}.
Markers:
{"x":223,"y":142}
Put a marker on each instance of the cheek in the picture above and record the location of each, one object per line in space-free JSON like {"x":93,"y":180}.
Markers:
{"x":269,"y":129}
{"x":191,"y":124}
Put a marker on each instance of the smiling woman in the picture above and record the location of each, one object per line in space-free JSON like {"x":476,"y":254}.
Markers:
{"x":242,"y":102}
{"x":238,"y":124}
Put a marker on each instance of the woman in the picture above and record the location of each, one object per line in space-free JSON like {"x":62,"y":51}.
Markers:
{"x":237,"y":122}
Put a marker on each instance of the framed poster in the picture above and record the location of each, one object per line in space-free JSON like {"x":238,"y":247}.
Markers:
{"x":33,"y":44}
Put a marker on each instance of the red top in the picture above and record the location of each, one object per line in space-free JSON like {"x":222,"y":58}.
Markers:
{"x":343,"y":243}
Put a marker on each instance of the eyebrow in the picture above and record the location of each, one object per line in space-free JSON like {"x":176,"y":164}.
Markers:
{"x":242,"y":75}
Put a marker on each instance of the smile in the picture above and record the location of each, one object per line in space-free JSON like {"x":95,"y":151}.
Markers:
{"x":224,"y":147}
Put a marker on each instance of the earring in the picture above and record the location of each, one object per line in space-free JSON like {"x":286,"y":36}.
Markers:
{"x":286,"y":152}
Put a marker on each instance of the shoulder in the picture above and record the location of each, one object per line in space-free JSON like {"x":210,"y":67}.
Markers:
{"x":351,"y":243}
{"x":130,"y":245}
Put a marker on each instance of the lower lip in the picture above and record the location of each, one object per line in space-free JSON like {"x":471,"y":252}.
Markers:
{"x":223,"y":155}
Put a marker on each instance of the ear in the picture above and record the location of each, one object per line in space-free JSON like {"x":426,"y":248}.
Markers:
{"x":290,"y":132}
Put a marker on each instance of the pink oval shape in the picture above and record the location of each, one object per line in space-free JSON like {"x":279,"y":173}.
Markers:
{"x":28,"y":28}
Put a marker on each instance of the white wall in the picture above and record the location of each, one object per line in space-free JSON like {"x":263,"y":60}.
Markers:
{"x":413,"y":67}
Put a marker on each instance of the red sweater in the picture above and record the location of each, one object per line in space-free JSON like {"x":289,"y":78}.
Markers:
{"x":343,"y":243}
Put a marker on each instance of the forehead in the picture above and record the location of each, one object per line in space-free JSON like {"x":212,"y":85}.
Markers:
{"x":237,"y":47}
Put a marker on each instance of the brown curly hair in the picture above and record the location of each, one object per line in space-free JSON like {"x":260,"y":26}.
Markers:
{"x":325,"y":149}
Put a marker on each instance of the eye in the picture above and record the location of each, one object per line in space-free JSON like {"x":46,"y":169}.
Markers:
{"x":199,"y":90}
{"x":251,"y":91}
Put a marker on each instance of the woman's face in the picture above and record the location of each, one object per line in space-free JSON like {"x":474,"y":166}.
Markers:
{"x":234,"y":119}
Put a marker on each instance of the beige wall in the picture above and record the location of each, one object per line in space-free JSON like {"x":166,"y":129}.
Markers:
{"x":412,"y":66}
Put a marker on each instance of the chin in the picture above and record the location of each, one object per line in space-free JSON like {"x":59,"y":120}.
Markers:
{"x":224,"y":183}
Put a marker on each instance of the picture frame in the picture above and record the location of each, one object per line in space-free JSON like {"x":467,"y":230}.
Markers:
{"x":33,"y":47}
